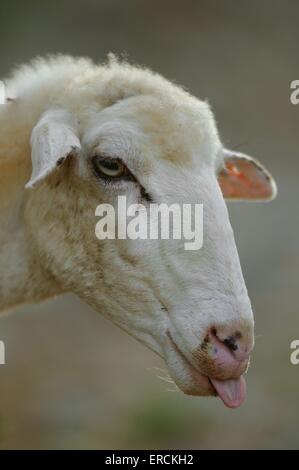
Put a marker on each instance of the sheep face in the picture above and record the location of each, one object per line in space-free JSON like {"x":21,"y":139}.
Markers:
{"x":190,"y":307}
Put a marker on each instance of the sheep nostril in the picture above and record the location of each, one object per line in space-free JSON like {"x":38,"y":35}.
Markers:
{"x":227,"y":348}
{"x":231,"y":343}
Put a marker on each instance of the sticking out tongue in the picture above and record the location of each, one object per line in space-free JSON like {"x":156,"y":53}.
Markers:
{"x":232,"y":392}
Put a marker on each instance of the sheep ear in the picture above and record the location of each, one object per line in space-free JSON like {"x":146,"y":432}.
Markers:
{"x":53,"y":139}
{"x":243,"y":178}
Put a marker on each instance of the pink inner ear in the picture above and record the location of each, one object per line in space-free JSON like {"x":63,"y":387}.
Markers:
{"x":245,"y":179}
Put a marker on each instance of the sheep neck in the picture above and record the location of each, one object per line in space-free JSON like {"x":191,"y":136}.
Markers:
{"x":22,"y":279}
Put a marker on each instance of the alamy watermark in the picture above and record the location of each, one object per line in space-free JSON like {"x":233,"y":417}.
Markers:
{"x":2,"y":93}
{"x":156,"y":222}
{"x":294,"y":357}
{"x":2,"y":353}
{"x":294,"y":97}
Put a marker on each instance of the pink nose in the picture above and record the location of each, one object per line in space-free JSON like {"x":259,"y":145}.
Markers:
{"x":229,"y":352}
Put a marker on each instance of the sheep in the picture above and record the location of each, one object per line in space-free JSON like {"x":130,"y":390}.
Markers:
{"x":75,"y":134}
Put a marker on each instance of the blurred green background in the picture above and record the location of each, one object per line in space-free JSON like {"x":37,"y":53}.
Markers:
{"x":72,"y":380}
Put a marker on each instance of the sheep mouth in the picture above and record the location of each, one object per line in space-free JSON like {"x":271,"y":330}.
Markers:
{"x":199,"y":383}
{"x":232,"y":392}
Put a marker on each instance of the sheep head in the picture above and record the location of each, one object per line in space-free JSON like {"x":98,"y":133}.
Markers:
{"x":158,"y":146}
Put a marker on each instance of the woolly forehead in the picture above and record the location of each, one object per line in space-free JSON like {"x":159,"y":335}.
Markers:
{"x":148,"y":128}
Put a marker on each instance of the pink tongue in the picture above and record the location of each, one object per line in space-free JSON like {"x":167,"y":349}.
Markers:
{"x":232,"y":392}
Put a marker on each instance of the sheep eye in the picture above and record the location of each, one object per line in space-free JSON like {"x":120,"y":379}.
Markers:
{"x":108,"y":167}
